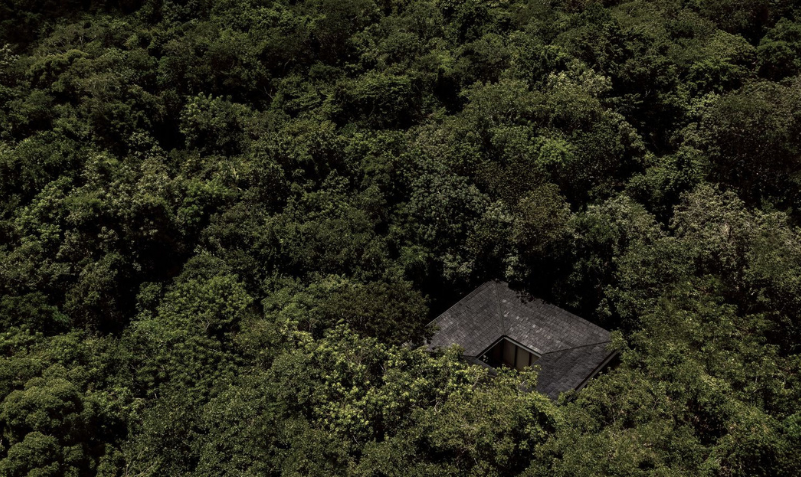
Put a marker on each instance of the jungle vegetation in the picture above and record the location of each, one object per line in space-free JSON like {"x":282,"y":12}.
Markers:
{"x":225,"y":224}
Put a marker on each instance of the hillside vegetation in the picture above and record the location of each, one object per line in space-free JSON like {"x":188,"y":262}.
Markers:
{"x":225,"y":224}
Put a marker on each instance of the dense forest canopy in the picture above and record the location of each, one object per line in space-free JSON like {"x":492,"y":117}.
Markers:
{"x":225,"y":224}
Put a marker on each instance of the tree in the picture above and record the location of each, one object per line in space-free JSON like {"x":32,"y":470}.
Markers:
{"x":779,"y":51}
{"x":187,"y":343}
{"x":751,"y":138}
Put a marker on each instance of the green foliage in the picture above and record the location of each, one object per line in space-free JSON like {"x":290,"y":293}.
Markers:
{"x":187,"y":341}
{"x":213,"y":125}
{"x":778,"y":51}
{"x":225,"y":224}
{"x":391,"y":311}
{"x":541,"y":221}
{"x":751,"y":138}
{"x":63,"y":411}
{"x":489,"y":430}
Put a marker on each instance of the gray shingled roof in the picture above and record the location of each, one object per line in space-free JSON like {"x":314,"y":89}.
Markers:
{"x":571,"y":349}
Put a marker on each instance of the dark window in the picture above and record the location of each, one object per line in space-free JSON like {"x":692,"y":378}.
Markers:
{"x":506,"y":353}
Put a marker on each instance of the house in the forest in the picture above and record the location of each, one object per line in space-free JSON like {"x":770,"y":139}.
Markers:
{"x":498,"y":326}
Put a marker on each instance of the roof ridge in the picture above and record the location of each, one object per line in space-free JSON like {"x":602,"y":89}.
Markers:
{"x":576,"y":347}
{"x":501,"y":316}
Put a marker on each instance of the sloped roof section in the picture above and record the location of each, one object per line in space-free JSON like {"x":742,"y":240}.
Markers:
{"x":569,"y":369}
{"x":571,"y":349}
